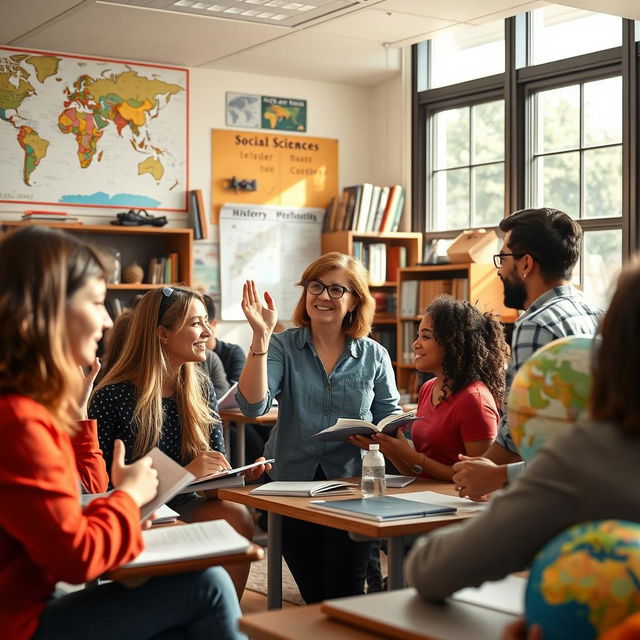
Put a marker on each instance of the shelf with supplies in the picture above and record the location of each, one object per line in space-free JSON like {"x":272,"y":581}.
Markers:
{"x":418,"y":286}
{"x":133,"y":245}
{"x":391,"y":252}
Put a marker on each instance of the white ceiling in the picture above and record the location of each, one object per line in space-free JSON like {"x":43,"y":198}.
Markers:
{"x":359,"y":45}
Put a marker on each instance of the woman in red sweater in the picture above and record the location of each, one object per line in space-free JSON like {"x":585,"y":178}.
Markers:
{"x":52,"y":315}
{"x":466,"y":352}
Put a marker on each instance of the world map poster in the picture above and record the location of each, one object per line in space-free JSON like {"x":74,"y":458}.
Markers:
{"x":92,"y":132}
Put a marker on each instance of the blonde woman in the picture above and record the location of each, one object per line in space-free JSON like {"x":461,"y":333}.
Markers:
{"x":323,"y":369}
{"x":156,"y":395}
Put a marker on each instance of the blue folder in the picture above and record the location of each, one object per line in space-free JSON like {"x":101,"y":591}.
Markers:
{"x":382,"y":508}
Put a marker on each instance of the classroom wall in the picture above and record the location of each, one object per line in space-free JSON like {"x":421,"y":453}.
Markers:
{"x":367,"y":121}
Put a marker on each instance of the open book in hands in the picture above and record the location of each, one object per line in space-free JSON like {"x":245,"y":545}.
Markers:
{"x":346,"y":427}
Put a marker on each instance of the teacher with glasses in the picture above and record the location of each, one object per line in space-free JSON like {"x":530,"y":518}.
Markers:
{"x":323,"y":369}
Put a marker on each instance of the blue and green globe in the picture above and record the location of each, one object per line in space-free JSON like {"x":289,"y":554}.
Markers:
{"x":585,"y":581}
{"x":550,"y":391}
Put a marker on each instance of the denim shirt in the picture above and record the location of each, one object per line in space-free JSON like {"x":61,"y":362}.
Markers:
{"x":361,"y":385}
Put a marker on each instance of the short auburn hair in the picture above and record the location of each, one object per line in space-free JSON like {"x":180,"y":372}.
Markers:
{"x":356,"y":324}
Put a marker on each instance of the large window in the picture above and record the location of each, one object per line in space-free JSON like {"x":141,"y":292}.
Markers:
{"x":546,"y":130}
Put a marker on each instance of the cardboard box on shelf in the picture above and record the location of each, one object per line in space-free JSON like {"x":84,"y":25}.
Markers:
{"x":474,"y":245}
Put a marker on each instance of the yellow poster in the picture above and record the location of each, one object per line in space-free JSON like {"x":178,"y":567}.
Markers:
{"x":289,"y":170}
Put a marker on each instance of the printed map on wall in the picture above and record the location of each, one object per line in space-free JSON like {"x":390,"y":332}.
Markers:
{"x":94,"y":132}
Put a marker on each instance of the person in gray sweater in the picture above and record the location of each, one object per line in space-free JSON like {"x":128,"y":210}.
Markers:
{"x":590,"y":471}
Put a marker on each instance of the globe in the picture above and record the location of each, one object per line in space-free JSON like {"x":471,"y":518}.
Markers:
{"x":585,"y":581}
{"x":549,"y":392}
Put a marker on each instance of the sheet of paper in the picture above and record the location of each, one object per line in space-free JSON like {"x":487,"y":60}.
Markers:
{"x":461,"y":504}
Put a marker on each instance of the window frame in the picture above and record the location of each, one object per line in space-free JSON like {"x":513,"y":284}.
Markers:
{"x":516,"y":85}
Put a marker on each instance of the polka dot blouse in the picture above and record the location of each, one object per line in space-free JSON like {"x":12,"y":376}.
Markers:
{"x":113,"y":408}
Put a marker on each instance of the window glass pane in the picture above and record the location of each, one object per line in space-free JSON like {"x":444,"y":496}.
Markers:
{"x":603,"y":182}
{"x":471,"y":53}
{"x":451,"y":199}
{"x":558,"y":119}
{"x":488,"y":132}
{"x":603,"y":111}
{"x":451,"y":138}
{"x":559,"y":32}
{"x":489,"y":195}
{"x":602,"y":258}
{"x":558,"y":178}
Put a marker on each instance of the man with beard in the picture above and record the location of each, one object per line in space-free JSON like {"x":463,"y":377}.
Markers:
{"x":540,"y":249}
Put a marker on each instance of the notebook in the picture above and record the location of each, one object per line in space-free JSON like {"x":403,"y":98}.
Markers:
{"x":383,"y":508}
{"x":305,"y":489}
{"x":196,"y":540}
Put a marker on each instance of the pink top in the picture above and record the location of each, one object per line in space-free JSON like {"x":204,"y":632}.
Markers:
{"x":466,"y":416}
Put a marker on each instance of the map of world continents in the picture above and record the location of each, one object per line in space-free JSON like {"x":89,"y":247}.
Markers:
{"x":92,"y":132}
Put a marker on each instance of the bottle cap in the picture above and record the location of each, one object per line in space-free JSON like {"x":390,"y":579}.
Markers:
{"x":374,"y":447}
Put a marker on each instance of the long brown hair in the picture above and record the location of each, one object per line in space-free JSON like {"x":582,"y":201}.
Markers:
{"x":144,"y":364}
{"x":356,"y":324}
{"x":40,"y":270}
{"x":615,"y":392}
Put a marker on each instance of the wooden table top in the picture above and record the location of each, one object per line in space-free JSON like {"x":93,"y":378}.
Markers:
{"x":297,"y":507}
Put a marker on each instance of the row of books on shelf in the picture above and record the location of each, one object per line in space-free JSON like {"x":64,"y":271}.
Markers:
{"x":366,"y":208}
{"x":381,"y":260}
{"x":163,"y":269}
{"x":386,"y":302}
{"x":415,"y":295}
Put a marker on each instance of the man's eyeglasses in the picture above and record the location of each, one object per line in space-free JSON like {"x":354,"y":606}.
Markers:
{"x":335,"y":291}
{"x":498,"y":257}
{"x":167,"y":292}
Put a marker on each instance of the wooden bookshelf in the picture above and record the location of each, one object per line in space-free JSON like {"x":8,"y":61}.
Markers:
{"x":135,"y":244}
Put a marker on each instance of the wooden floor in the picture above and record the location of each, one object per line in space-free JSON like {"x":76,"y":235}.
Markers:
{"x":254,"y":602}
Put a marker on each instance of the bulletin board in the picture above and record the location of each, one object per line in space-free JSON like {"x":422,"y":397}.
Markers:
{"x":290,"y":170}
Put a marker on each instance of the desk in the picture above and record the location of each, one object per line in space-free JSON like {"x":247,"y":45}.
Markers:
{"x":278,"y":506}
{"x":235,"y":415}
{"x":394,"y":614}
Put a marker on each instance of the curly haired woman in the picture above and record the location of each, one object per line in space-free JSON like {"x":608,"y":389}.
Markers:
{"x":466,"y":352}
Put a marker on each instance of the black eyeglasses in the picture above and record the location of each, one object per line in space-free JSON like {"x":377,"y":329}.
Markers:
{"x":498,"y":257}
{"x":335,"y":291}
{"x":167,"y":292}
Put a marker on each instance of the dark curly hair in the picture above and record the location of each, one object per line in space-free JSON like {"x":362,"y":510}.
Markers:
{"x":473,"y":344}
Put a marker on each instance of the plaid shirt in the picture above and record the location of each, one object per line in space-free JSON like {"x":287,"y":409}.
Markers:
{"x":557,"y":313}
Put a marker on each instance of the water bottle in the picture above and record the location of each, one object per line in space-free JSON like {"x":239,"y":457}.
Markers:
{"x":373,"y":482}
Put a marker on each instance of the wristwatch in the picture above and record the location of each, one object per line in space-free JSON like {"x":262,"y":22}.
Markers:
{"x":416,"y":468}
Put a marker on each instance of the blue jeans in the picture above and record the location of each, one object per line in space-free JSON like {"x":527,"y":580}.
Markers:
{"x":191,"y":606}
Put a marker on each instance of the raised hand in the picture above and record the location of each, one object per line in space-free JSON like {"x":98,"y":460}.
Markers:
{"x":262,"y":319}
{"x":139,"y":479}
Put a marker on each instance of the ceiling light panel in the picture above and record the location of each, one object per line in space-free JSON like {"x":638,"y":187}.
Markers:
{"x":287,"y":13}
